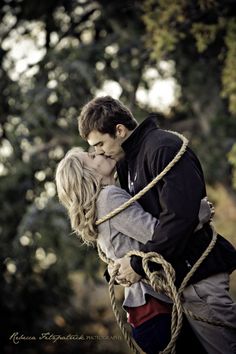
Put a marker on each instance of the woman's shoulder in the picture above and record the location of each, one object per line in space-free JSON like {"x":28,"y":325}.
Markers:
{"x":109,"y":198}
{"x":113,"y":194}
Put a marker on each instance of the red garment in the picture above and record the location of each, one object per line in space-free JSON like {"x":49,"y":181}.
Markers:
{"x":153,"y":307}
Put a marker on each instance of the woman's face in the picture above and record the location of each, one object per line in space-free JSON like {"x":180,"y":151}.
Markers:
{"x":103,"y":165}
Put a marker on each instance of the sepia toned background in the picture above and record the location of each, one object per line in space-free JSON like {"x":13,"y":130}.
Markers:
{"x":175,"y":58}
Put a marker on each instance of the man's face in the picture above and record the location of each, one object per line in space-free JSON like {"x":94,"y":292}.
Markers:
{"x":104,"y":144}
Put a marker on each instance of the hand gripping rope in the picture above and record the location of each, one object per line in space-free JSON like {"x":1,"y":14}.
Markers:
{"x":161,"y":281}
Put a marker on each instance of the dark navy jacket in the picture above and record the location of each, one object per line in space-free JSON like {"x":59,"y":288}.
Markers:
{"x":174,"y":200}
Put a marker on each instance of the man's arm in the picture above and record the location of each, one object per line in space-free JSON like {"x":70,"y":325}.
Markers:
{"x":180,"y":194}
{"x":205,"y":214}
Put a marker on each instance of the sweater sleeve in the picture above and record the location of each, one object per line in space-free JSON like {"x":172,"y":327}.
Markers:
{"x":180,"y":193}
{"x":132,"y":222}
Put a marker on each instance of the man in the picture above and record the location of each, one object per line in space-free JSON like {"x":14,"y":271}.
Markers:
{"x":142,"y":152}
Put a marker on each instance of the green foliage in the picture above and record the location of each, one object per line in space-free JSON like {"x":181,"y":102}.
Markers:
{"x":232,"y":160}
{"x":210,"y":25}
{"x":229,"y":73}
{"x":162,"y":19}
{"x":206,"y":34}
{"x":199,"y":36}
{"x":84,"y":44}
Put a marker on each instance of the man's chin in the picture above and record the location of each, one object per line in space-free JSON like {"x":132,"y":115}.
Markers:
{"x":117,"y":158}
{"x":111,"y":157}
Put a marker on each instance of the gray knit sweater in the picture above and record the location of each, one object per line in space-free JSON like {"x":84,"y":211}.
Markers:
{"x":124,"y":232}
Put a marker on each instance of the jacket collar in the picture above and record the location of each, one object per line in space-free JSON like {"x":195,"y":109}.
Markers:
{"x":132,"y":145}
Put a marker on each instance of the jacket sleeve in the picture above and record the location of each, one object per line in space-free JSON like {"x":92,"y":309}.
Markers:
{"x":180,"y":192}
{"x":132,"y":222}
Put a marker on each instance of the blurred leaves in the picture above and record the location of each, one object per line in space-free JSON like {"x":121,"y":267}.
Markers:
{"x":74,"y":47}
{"x":232,"y":160}
{"x":55,"y":56}
{"x":200,"y":37}
{"x":229,"y":74}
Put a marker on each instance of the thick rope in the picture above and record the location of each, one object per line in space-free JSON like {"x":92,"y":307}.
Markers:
{"x":119,"y":319}
{"x":162,"y":284}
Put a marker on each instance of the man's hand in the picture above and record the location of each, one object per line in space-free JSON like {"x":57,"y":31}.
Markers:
{"x":126,"y":276}
{"x":206,"y":213}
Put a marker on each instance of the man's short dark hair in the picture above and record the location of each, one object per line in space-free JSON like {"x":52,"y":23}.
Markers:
{"x":103,"y":114}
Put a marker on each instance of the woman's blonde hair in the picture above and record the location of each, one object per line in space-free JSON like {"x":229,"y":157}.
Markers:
{"x":78,"y":188}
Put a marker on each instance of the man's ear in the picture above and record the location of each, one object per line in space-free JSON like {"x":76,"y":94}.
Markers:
{"x":121,"y":131}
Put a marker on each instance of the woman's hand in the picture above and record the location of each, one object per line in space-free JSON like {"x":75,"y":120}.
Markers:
{"x":126,"y":275}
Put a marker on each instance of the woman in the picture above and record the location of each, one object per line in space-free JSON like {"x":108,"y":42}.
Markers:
{"x":86,"y":187}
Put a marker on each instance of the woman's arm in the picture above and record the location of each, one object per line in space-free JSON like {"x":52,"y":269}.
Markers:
{"x":133,"y":222}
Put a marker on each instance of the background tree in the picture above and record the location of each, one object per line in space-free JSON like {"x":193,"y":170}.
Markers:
{"x":199,"y":36}
{"x":75,"y":47}
{"x":54,"y":57}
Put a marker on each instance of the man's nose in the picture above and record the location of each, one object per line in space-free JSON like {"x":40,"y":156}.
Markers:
{"x":99,"y":150}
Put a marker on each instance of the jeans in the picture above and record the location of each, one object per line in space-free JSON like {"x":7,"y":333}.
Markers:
{"x":153,"y":336}
{"x":209,"y":298}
